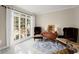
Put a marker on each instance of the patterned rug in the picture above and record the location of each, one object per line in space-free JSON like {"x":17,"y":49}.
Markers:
{"x":48,"y":46}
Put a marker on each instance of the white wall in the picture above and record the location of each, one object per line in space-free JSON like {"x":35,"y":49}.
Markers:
{"x":76,"y":20}
{"x":63,"y":18}
{"x":2,"y":26}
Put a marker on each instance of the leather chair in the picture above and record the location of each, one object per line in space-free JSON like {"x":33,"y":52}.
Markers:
{"x":37,"y":33}
{"x":37,"y":30}
{"x":71,"y":33}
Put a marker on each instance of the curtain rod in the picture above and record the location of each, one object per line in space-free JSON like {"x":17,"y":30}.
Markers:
{"x":13,"y":9}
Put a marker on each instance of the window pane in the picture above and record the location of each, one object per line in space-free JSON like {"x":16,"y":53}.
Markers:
{"x":22,"y":27}
{"x":16,"y":27}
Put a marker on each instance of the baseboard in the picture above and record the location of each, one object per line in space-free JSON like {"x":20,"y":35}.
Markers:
{"x":3,"y":47}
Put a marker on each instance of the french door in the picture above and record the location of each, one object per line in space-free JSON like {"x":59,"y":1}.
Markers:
{"x":21,"y":26}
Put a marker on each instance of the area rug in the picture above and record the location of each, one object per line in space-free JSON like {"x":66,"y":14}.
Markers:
{"x":48,"y":46}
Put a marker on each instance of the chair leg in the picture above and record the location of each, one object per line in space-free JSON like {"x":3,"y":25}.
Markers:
{"x":34,"y":38}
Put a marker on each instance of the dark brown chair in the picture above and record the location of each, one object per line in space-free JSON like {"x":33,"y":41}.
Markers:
{"x":37,"y":33}
{"x":37,"y":30}
{"x":71,"y":33}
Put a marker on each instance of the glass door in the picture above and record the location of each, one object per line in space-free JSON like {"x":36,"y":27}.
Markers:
{"x":23,"y":26}
{"x":16,"y":28}
{"x":20,"y":27}
{"x":28,"y":25}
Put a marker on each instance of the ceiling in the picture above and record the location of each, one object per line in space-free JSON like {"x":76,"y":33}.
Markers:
{"x":42,"y":9}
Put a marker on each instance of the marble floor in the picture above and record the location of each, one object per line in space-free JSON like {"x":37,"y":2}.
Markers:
{"x":25,"y":47}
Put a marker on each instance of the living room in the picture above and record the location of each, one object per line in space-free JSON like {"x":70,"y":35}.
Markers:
{"x":61,"y":16}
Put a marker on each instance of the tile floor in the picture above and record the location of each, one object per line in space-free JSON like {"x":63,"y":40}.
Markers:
{"x":25,"y":47}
